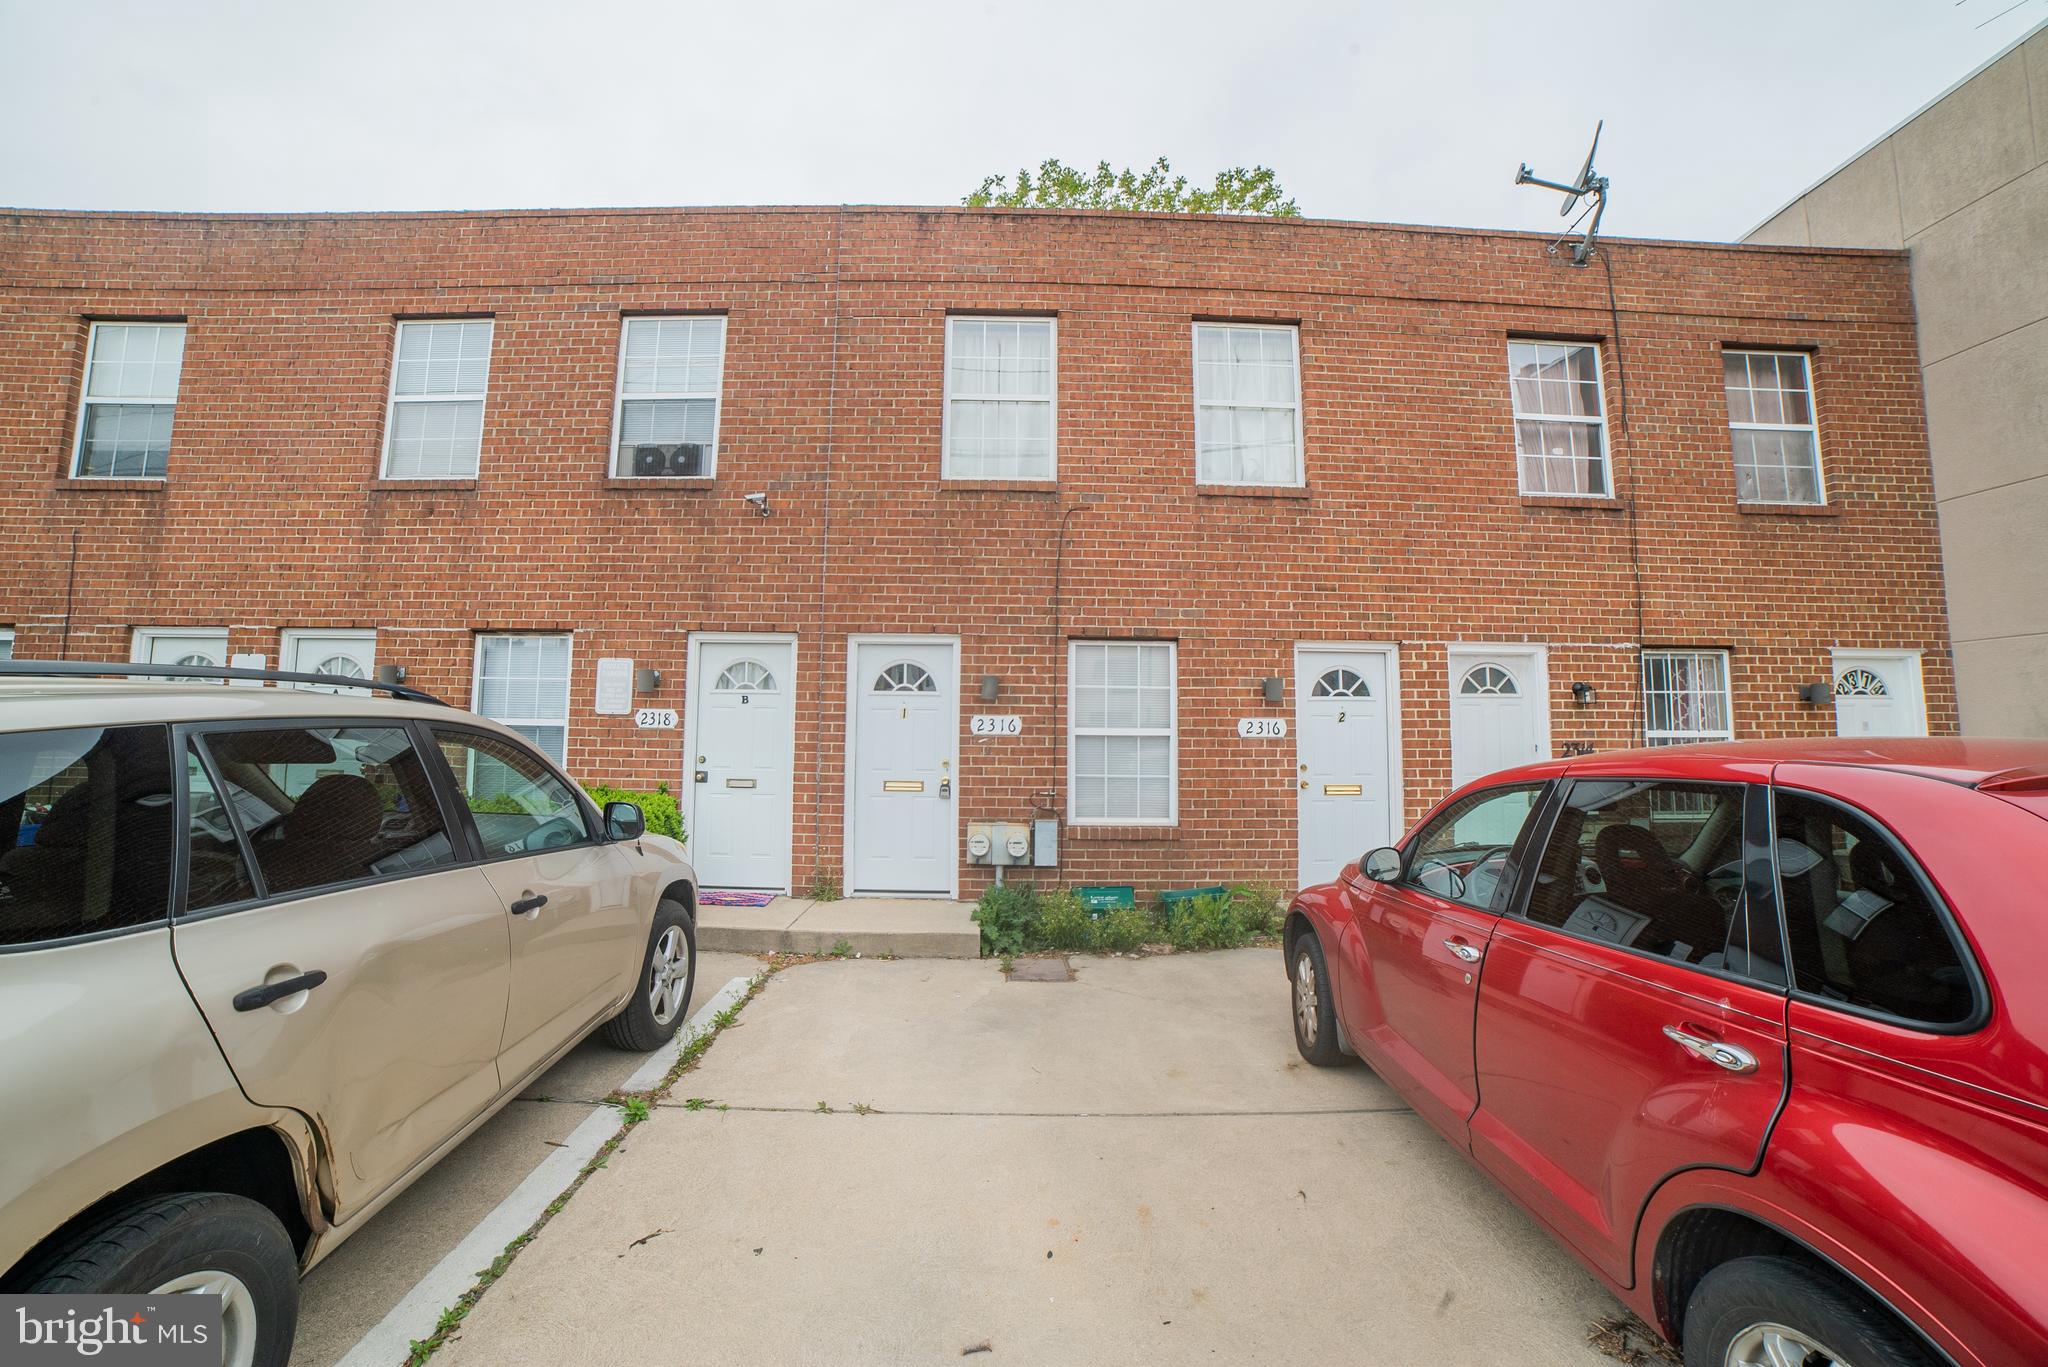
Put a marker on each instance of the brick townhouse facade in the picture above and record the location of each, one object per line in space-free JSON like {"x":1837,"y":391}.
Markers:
{"x":1063,"y":513}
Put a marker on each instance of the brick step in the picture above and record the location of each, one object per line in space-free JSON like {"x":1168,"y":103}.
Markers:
{"x":907,"y":927}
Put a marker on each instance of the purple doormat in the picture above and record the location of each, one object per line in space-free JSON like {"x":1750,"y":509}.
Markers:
{"x":713,"y":898}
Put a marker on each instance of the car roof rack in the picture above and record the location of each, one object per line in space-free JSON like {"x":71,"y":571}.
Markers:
{"x":91,"y":669}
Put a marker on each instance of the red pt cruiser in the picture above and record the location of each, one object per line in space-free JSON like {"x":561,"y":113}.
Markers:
{"x":1758,"y":1031}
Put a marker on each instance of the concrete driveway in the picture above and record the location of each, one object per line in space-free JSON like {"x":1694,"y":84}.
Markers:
{"x":348,"y":1294}
{"x":1133,"y":1166}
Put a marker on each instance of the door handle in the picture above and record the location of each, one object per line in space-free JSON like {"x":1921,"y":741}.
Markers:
{"x":258,"y":997}
{"x":531,"y":902}
{"x":1733,"y":1057}
{"x":1469,"y":953}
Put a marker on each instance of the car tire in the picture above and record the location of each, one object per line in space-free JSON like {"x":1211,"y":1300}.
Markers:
{"x":191,"y":1241}
{"x":668,"y":966}
{"x":1313,"y":1008}
{"x":1741,"y":1301}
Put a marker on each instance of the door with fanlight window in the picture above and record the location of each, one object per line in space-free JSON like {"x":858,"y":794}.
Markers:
{"x":1499,"y":713}
{"x":342,"y":654}
{"x":181,"y":646}
{"x":742,"y":694}
{"x":1346,"y":803}
{"x":906,"y":724}
{"x":1877,"y":693}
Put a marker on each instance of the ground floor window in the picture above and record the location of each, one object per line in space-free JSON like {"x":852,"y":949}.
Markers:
{"x":1120,"y":721}
{"x":523,"y":682}
{"x":1685,"y":696}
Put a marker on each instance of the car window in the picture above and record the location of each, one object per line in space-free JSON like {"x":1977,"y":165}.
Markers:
{"x":1656,"y":866}
{"x":215,"y":872}
{"x":517,"y":803}
{"x":85,"y":831}
{"x":323,"y":805}
{"x":1864,"y":926}
{"x":1462,"y":854}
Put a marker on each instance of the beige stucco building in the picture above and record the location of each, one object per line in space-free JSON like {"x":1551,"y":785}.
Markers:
{"x":1964,"y":185}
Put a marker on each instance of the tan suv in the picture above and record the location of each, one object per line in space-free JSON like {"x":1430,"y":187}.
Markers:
{"x":266,"y":953}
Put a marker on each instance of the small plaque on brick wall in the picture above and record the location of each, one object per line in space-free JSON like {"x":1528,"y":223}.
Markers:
{"x":615,"y":686}
{"x":1262,"y":728}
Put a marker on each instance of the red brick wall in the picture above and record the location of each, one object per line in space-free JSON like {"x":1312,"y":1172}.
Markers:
{"x":1410,"y":531}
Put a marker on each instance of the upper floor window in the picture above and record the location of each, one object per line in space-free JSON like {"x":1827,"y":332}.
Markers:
{"x":130,"y":397}
{"x":1560,"y":419}
{"x":1121,"y":731}
{"x":1770,"y":418}
{"x":1685,"y":696}
{"x":1001,"y":397}
{"x":523,"y":682}
{"x":1247,"y":404}
{"x":666,"y":418}
{"x":436,"y":424}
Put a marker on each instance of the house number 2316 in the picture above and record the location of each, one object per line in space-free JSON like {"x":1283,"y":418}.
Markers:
{"x":1262,"y":728}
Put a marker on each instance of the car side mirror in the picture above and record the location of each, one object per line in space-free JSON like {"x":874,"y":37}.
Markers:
{"x":1382,"y":865}
{"x":623,"y":821}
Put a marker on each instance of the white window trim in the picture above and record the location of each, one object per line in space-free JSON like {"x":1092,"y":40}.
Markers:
{"x":1172,"y":817}
{"x":1518,"y":416}
{"x":1686,"y":737}
{"x":141,"y":638}
{"x":1820,"y":478}
{"x":717,"y":396}
{"x":476,"y":687}
{"x":86,"y":401}
{"x":392,"y":398}
{"x":1293,"y":331}
{"x":947,"y":397}
{"x":291,"y":638}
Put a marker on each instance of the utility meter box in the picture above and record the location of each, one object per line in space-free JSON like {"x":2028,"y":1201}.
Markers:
{"x":998,"y":842}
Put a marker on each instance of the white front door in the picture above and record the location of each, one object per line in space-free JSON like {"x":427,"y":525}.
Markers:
{"x":1877,"y":693}
{"x":1342,"y":754}
{"x":741,"y":693}
{"x":181,"y":646}
{"x":346,"y":654}
{"x":906,"y":719}
{"x":1500,"y":711}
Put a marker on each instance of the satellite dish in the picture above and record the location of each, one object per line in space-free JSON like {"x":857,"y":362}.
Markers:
{"x":1583,"y":182}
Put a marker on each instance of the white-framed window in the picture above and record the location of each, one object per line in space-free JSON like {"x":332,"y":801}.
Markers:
{"x":128,"y":401}
{"x":1122,"y":761}
{"x":439,"y":372}
{"x":523,"y":682}
{"x":1248,"y":404}
{"x":1686,"y":697}
{"x":1560,"y":418}
{"x":1771,"y":422}
{"x":665,"y":415}
{"x":1002,"y":398}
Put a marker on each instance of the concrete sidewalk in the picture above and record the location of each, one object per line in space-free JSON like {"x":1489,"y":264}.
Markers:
{"x":906,"y":927}
{"x":1131,"y":1167}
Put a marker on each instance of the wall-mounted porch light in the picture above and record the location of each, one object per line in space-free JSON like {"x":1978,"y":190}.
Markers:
{"x":646,"y":680}
{"x":1274,"y":688}
{"x":390,"y":674}
{"x":1814,"y":694}
{"x":991,"y":687}
{"x":1583,"y":694}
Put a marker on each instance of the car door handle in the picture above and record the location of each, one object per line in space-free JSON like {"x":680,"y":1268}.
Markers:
{"x":531,"y":902}
{"x":1733,"y":1057}
{"x":1469,"y":953}
{"x":257,"y":997}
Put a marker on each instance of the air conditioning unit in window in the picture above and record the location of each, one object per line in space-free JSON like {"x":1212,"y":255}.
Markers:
{"x":669,"y":458}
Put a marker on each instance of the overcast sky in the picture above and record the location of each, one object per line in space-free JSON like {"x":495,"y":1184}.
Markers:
{"x":1718,"y":111}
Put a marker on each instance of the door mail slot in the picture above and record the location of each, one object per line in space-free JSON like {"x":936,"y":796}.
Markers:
{"x":1343,"y":790}
{"x":902,"y":785}
{"x":739,"y":783}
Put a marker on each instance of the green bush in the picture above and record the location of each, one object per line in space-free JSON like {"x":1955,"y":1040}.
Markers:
{"x":1063,"y":923}
{"x":1260,"y":908}
{"x":663,"y":815}
{"x":1123,"y":928}
{"x":824,"y":885}
{"x":1204,"y":923}
{"x":1008,"y":917}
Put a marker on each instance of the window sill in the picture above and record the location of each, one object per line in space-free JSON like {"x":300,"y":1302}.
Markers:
{"x":89,"y":484}
{"x":1252,"y":491}
{"x":1596,"y":501}
{"x":1121,"y":834}
{"x":400,"y":486}
{"x":1788,"y":510}
{"x":648,"y":484}
{"x":1000,"y":486}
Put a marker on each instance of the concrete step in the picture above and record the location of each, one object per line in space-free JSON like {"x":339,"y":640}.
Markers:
{"x":908,"y":927}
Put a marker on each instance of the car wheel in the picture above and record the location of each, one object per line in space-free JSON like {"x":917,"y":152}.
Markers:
{"x":194,"y":1243}
{"x":1315,"y":1014}
{"x":668,"y":974}
{"x":1764,"y":1312}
